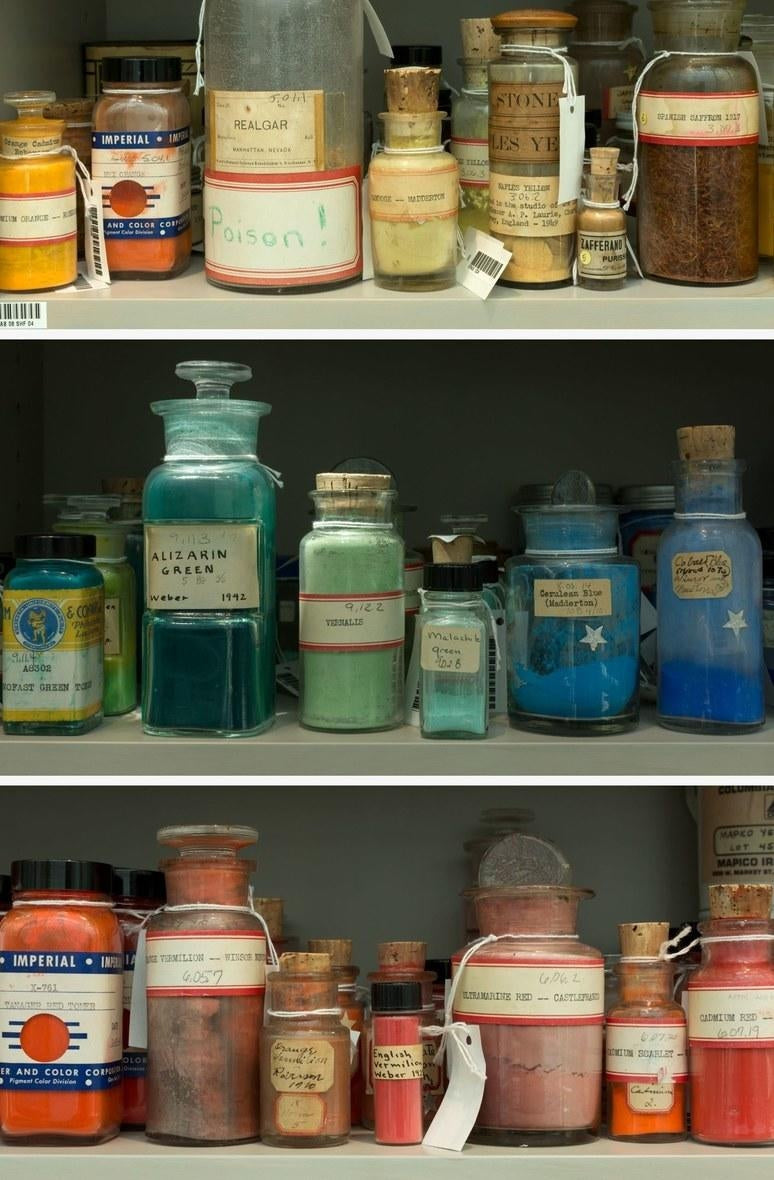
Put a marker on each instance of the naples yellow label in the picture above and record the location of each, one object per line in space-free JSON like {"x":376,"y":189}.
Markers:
{"x":527,"y":207}
{"x":699,"y":120}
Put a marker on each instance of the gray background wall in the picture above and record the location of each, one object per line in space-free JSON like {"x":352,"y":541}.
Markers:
{"x":40,"y":43}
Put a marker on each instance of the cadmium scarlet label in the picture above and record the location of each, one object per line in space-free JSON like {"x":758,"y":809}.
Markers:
{"x":725,"y":119}
{"x":353,"y":622}
{"x":736,"y":1016}
{"x":646,"y":1052}
{"x":37,"y":219}
{"x":193,"y":963}
{"x":547,"y":992}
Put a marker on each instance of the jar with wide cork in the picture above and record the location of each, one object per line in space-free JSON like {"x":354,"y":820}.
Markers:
{"x":470,"y":122}
{"x":602,"y":252}
{"x":525,"y":86}
{"x":352,"y":1000}
{"x":609,"y":60}
{"x":305,"y":1056}
{"x":206,"y":963}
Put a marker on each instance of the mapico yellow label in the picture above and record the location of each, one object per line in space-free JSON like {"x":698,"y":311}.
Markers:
{"x":53,"y":654}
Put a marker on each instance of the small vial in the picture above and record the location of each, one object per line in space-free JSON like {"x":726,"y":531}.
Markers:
{"x":397,"y":1063}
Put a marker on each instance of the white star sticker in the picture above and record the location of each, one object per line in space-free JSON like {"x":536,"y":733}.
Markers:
{"x":594,"y":637}
{"x":736,"y":622}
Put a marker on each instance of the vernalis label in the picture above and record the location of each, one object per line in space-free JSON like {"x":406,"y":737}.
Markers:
{"x":699,"y":120}
{"x":190,"y":963}
{"x":573,"y":598}
{"x":191,"y":566}
{"x":648,"y":1052}
{"x":398,"y":1063}
{"x":267,"y":131}
{"x":472,"y":156}
{"x":527,"y":207}
{"x":451,"y":649}
{"x":541,"y":993}
{"x":37,"y":219}
{"x":704,"y":574}
{"x":743,"y":1016}
{"x":354,"y":622}
{"x":144,"y":178}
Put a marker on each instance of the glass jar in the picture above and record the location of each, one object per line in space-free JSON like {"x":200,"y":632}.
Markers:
{"x":210,"y":522}
{"x":697,"y":206}
{"x":305,"y":1057}
{"x":60,"y":936}
{"x":573,"y":618}
{"x":141,"y":166}
{"x":760,"y":29}
{"x":609,"y":60}
{"x":204,"y":1022}
{"x":53,"y":637}
{"x":524,"y":92}
{"x":470,"y":144}
{"x":76,"y":114}
{"x":495,"y":822}
{"x":454,"y":628}
{"x":282,"y":188}
{"x":543,"y":1046}
{"x":129,"y":490}
{"x":646,"y":510}
{"x":38,"y":250}
{"x":351,"y":603}
{"x":623,"y":139}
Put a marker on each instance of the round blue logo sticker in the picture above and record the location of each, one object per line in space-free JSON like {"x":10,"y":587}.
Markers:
{"x":39,"y":624}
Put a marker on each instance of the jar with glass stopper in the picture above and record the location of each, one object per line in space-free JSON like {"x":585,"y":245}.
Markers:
{"x":602,"y":253}
{"x":710,"y":588}
{"x":206,"y":964}
{"x":470,"y":122}
{"x":525,"y":86}
{"x":760,"y":30}
{"x":38,"y":214}
{"x":210,"y":521}
{"x":351,"y":999}
{"x":413,"y":189}
{"x":454,"y":629}
{"x":573,"y":618}
{"x":609,"y":60}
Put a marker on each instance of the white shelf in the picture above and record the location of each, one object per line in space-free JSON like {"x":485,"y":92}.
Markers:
{"x":189,"y":302}
{"x":119,"y":747}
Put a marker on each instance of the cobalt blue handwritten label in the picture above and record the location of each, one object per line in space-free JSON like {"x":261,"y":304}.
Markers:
{"x":60,"y":1020}
{"x":144,"y":178}
{"x":199,"y":566}
{"x":193,"y":962}
{"x":351,"y":622}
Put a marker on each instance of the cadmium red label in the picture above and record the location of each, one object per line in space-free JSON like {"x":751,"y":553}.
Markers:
{"x":351,"y":622}
{"x":195,"y":963}
{"x":683,"y":119}
{"x":545,"y":991}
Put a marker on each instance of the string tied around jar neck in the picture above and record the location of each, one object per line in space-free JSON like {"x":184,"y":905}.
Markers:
{"x":665,"y":953}
{"x":559,"y":54}
{"x":613,"y":44}
{"x":192,"y":906}
{"x":470,"y":604}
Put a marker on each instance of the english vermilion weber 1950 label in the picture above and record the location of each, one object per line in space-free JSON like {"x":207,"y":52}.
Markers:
{"x":736,"y":1016}
{"x":682,"y":119}
{"x":398,"y":1063}
{"x":351,"y":622}
{"x":646,"y":1052}
{"x":39,"y":219}
{"x":546,"y":992}
{"x":194,"y":963}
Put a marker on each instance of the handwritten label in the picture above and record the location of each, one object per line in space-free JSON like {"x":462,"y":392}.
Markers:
{"x":299,"y":1114}
{"x":699,"y":120}
{"x":472,"y":156}
{"x":189,"y":963}
{"x":645,"y":1098}
{"x":399,"y":1063}
{"x":303,"y":1066}
{"x":738,"y":1016}
{"x":524,"y":122}
{"x":193,"y":566}
{"x":266,"y":131}
{"x":432,"y":1073}
{"x":514,"y":993}
{"x":705,"y":574}
{"x":647,"y":1052}
{"x":602,"y":256}
{"x":451,"y":649}
{"x":414,"y":194}
{"x":354,"y":622}
{"x":573,"y":598}
{"x":528,"y":207}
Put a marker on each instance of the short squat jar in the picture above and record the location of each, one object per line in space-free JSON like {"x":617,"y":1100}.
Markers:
{"x":454,"y":631}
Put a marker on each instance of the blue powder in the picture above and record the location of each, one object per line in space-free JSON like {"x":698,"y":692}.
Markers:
{"x":699,"y":692}
{"x":598,"y":689}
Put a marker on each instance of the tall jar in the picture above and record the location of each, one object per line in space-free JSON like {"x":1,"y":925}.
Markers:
{"x":206,"y":964}
{"x":284,"y":143}
{"x":470,"y":122}
{"x":524,"y":92}
{"x":573,"y":618}
{"x":351,"y":607}
{"x":697,"y":205}
{"x":760,"y":30}
{"x":609,"y":60}
{"x":537,"y":994}
{"x":210,"y":522}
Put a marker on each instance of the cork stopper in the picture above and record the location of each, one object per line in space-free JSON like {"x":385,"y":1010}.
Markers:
{"x":271,"y":910}
{"x":642,"y":940}
{"x":533,"y":18}
{"x":339,"y":950}
{"x":71,"y":110}
{"x":706,"y":442}
{"x":345,"y":481}
{"x":402,"y":954}
{"x":412,"y":89}
{"x":479,"y":40}
{"x":299,"y":962}
{"x":604,"y":161}
{"x":458,"y":551}
{"x":740,"y":901}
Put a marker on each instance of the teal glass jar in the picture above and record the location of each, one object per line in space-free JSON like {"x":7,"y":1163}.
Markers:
{"x":454,"y":630}
{"x":351,"y":607}
{"x":53,"y":637}
{"x":210,"y":524}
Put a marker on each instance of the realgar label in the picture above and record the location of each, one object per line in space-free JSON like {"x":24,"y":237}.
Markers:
{"x":704,"y":574}
{"x":266,"y":131}
{"x":191,"y":566}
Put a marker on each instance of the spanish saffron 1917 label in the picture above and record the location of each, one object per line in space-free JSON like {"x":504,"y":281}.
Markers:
{"x":706,"y":573}
{"x":266,"y":131}
{"x":738,"y":1016}
{"x":144,"y":178}
{"x":699,"y":120}
{"x":195,"y":963}
{"x":573,"y":598}
{"x":539,"y":993}
{"x":451,"y":649}
{"x":199,"y":566}
{"x":524,"y":122}
{"x":602,"y":256}
{"x":646,"y":1052}
{"x":398,"y":1063}
{"x":303,"y":1065}
{"x":351,"y":622}
{"x":38,"y":219}
{"x":414,"y":194}
{"x":527,"y":207}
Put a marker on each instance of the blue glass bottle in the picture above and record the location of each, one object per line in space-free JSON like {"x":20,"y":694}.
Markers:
{"x":573,"y":618}
{"x":210,"y":524}
{"x":453,"y":634}
{"x":710,"y":620}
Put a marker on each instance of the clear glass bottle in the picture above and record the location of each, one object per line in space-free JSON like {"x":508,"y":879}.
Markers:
{"x":282,"y":189}
{"x":204,"y":1022}
{"x":454,"y":628}
{"x":351,"y":603}
{"x":697,"y":205}
{"x":760,"y":29}
{"x":543,"y":1051}
{"x":352,"y":1000}
{"x":602,"y":254}
{"x":210,"y":522}
{"x":609,"y":60}
{"x":573,"y":616}
{"x":524,"y":168}
{"x":710,"y":579}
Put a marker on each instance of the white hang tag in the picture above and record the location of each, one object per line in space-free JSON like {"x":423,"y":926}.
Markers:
{"x":138,"y":1015}
{"x":96,"y":271}
{"x":763,"y":135}
{"x":484,"y":259}
{"x":368,"y":257}
{"x":459,"y":1109}
{"x":572,"y":144}
{"x":354,"y":1053}
{"x":377,"y":30}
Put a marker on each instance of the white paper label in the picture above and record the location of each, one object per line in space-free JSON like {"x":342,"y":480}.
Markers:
{"x":190,"y":963}
{"x":302,"y":1065}
{"x":413,"y":575}
{"x":699,"y":120}
{"x":144,"y":178}
{"x":416,"y":195}
{"x":702,"y":574}
{"x":398,"y":1063}
{"x":738,"y":1016}
{"x":573,"y":598}
{"x":192,"y":566}
{"x":647,"y":1052}
{"x":458,"y":1112}
{"x":541,"y":993}
{"x":650,"y":1097}
{"x":16,"y":315}
{"x":617,"y":100}
{"x":451,"y":649}
{"x":472,"y":155}
{"x":267,"y":131}
{"x":112,"y":626}
{"x":484,"y":260}
{"x":351,"y":622}
{"x":38,"y":220}
{"x":572,"y":135}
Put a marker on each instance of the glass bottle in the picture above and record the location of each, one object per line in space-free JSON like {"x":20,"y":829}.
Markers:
{"x":305,"y":1057}
{"x":53,"y":637}
{"x":210,"y":521}
{"x":602,"y":254}
{"x":646,"y":510}
{"x":710,"y":634}
{"x":646,"y":1050}
{"x":609,"y":60}
{"x":397,"y":1062}
{"x":697,"y":205}
{"x":454,"y":628}
{"x":730,"y":1021}
{"x":282,"y":189}
{"x":351,"y":1000}
{"x":495,"y":822}
{"x":623,"y":139}
{"x":760,"y":29}
{"x":470,"y":122}
{"x":60,"y":937}
{"x":204,"y":1023}
{"x":524,"y":149}
{"x":38,"y":214}
{"x":493,"y":593}
{"x":573,"y":618}
{"x":141,"y":166}
{"x":543,"y":1046}
{"x":351,"y":602}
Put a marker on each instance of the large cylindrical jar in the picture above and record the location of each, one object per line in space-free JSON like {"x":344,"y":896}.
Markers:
{"x":524,"y":92}
{"x":206,"y":965}
{"x":698,"y":118}
{"x":609,"y":60}
{"x":210,"y":521}
{"x":284,"y":143}
{"x":351,"y":607}
{"x":760,"y":29}
{"x":538,"y":996}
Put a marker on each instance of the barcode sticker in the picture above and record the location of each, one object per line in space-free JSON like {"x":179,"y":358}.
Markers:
{"x":484,"y":260}
{"x":23,"y":315}
{"x":497,"y":683}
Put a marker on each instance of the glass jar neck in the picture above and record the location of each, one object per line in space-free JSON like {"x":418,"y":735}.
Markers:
{"x":141,"y":88}
{"x":404,"y":131}
{"x":711,"y":487}
{"x":451,"y":598}
{"x":553,"y":530}
{"x":54,"y":895}
{"x":211,"y":428}
{"x":555,"y":912}
{"x":309,"y":992}
{"x":361,"y":508}
{"x":709,"y":26}
{"x":737,"y":951}
{"x":207,"y":879}
{"x":646,"y":983}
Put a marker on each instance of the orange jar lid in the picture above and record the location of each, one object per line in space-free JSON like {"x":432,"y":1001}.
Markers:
{"x":533,"y":18}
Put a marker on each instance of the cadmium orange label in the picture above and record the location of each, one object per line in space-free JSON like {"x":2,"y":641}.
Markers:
{"x":728,"y":119}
